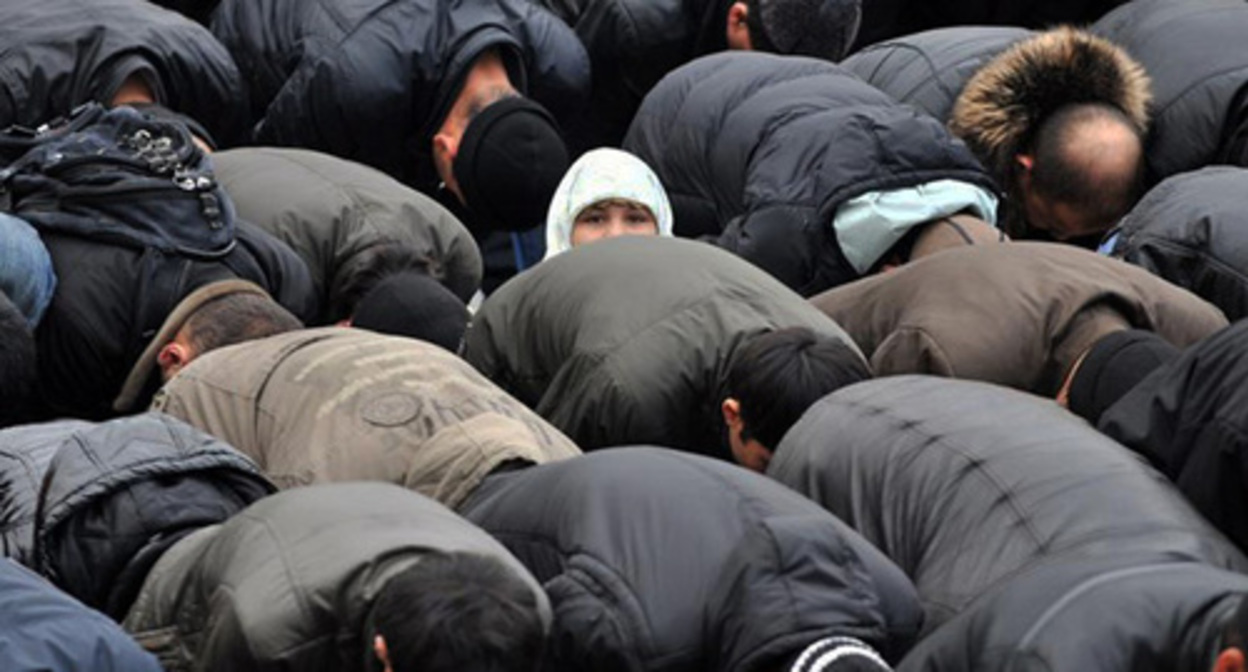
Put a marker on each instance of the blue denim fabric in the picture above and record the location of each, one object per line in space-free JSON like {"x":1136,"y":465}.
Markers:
{"x":26,"y":274}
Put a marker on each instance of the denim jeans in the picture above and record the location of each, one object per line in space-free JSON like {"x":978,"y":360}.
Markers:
{"x":26,"y":274}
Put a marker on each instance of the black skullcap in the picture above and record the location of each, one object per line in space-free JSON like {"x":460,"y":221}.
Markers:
{"x":818,"y":28}
{"x":414,"y":305}
{"x":510,"y":162}
{"x":1114,"y":365}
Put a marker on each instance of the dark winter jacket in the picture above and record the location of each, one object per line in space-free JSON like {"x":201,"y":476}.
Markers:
{"x":1003,"y":84}
{"x":1117,"y":613}
{"x":24,"y":456}
{"x":59,"y":54}
{"x":372,"y":80}
{"x":762,"y":150}
{"x":290,"y":583}
{"x":966,"y":485}
{"x":660,"y":561}
{"x":44,"y":630}
{"x":1192,"y":230}
{"x":629,"y":340}
{"x":119,"y":494}
{"x":93,"y":333}
{"x":332,"y":211}
{"x":1193,"y":52}
{"x":632,"y":44}
{"x":1190,"y":419}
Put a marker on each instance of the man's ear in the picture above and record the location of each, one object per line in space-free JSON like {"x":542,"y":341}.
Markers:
{"x":1026,"y":163}
{"x":1230,"y":660}
{"x":171,"y":358}
{"x":445,"y":149}
{"x":731,"y":409}
{"x":737,"y":30}
{"x":379,"y":648}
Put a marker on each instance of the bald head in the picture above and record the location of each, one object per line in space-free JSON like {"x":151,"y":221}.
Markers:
{"x":1085,"y":172}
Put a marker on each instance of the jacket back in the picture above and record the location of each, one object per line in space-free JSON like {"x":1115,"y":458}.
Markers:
{"x":24,"y":456}
{"x":661,"y":561}
{"x":629,"y":340}
{"x":967,"y":485}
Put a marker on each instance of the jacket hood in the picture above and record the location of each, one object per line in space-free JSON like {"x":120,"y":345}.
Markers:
{"x":25,"y":453}
{"x":998,"y":111}
{"x":118,"y":494}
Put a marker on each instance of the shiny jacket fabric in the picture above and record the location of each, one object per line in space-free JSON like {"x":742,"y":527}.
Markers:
{"x":629,"y":340}
{"x":62,"y":53}
{"x":966,"y":485}
{"x":330,"y":210}
{"x":25,"y":452}
{"x":661,"y":561}
{"x":1193,"y":52}
{"x":44,"y":630}
{"x":290,"y":582}
{"x":761,"y":150}
{"x":1192,"y":230}
{"x":119,"y":494}
{"x":1189,"y":419}
{"x":372,"y":80}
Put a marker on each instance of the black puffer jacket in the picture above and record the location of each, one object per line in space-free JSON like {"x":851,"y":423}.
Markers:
{"x":91,"y":336}
{"x":1118,"y":613}
{"x":764,"y":149}
{"x":1193,"y":51}
{"x":965,"y":485}
{"x":44,"y":630}
{"x":330,"y":211}
{"x":59,"y":54}
{"x":629,"y":340}
{"x":117,"y":495}
{"x":373,"y":80}
{"x":1190,"y":419}
{"x":659,"y":561}
{"x":24,"y":456}
{"x":930,"y":69}
{"x":1192,"y":230}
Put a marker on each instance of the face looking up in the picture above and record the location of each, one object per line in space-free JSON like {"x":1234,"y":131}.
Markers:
{"x":610,"y":219}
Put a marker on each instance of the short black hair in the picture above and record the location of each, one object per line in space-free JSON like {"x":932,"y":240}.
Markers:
{"x":824,"y":29}
{"x":778,"y":375}
{"x":18,"y":371}
{"x":364,"y":271}
{"x":460,"y":611}
{"x":235,"y":318}
{"x":1056,"y":176}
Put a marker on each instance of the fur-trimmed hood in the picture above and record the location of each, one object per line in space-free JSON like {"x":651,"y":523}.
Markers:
{"x":1000,"y":108}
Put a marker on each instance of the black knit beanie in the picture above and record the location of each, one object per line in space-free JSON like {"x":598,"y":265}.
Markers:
{"x":817,"y":28}
{"x":1114,"y":365}
{"x":510,"y":162}
{"x":416,"y":306}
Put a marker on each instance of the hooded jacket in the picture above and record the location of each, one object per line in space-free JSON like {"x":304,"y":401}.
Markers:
{"x":330,"y":211}
{"x":656,"y":560}
{"x":602,"y":174}
{"x":24,"y":456}
{"x":967,"y":485}
{"x":1118,"y":613}
{"x":1192,"y":51}
{"x":1191,"y":230}
{"x":372,"y":81}
{"x":629,"y":340}
{"x":62,"y":53}
{"x":95,"y":329}
{"x":1017,"y":315}
{"x":1188,"y":419}
{"x":761,"y":151}
{"x":290,"y":583}
{"x":45,"y":630}
{"x":119,"y":494}
{"x":342,"y":404}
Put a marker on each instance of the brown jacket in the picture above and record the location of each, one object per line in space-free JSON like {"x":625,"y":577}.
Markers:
{"x":1017,"y":315}
{"x":337,"y":404}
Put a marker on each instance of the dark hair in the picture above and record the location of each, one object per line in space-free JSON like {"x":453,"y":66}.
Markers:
{"x":235,"y":318}
{"x":817,"y":28}
{"x":1058,"y":176}
{"x":460,"y":611}
{"x":17,"y":364}
{"x":780,"y":374}
{"x":364,"y":271}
